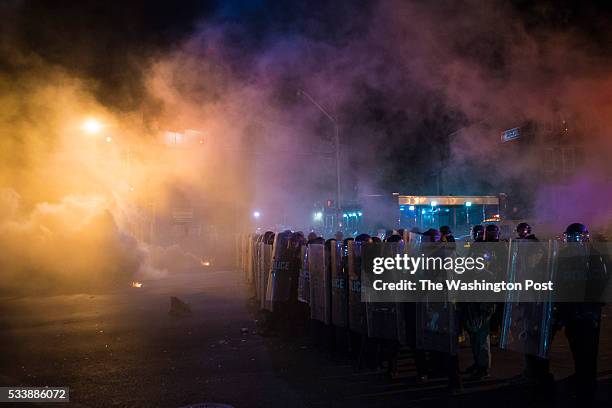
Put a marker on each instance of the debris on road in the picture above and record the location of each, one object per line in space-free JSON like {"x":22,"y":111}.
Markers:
{"x":178,"y":308}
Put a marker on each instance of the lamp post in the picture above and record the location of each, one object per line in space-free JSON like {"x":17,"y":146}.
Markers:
{"x":329,"y":116}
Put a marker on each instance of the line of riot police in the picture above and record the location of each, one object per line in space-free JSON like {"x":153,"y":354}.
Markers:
{"x":303,"y":282}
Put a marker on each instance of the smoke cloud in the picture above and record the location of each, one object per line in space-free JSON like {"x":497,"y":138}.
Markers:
{"x":420,"y":92}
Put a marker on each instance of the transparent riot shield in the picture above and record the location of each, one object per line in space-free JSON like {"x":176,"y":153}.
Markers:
{"x":526,"y":324}
{"x":437,"y":323}
{"x":385,"y":320}
{"x":599,"y":288}
{"x":412,"y":248}
{"x":280,"y":278}
{"x":304,"y":283}
{"x":356,"y":308}
{"x":320,"y":300}
{"x":250,"y":259}
{"x":583,"y":273}
{"x":258,"y":270}
{"x":265,"y":273}
{"x":339,"y":286}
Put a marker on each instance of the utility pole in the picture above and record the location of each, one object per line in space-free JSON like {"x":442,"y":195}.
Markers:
{"x":301,"y":92}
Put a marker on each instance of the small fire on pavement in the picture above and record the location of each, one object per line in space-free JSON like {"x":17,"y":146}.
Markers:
{"x":136,"y":284}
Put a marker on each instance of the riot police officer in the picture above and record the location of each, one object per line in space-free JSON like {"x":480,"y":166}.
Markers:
{"x":476,"y":316}
{"x":393,"y":238}
{"x":491,"y":233}
{"x":357,"y":311}
{"x":446,"y":234}
{"x":478,"y":233}
{"x":536,"y":368}
{"x":449,"y":358}
{"x":523,"y":231}
{"x":311,"y":237}
{"x":581,"y":320}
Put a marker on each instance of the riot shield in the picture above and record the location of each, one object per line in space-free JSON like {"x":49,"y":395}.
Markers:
{"x":526,"y":325}
{"x":320,"y":300}
{"x":583,"y":273}
{"x":266,"y":257}
{"x":356,"y":308}
{"x":304,"y":283}
{"x":258,"y":270}
{"x":249,"y":257}
{"x":437,"y":325}
{"x":252,"y":259}
{"x":339,"y":286}
{"x":385,"y":320}
{"x":412,"y":248}
{"x":281,"y":274}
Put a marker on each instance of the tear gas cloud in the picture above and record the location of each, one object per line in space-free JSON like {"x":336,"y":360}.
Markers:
{"x":415,"y":88}
{"x":418,"y":89}
{"x":78,"y":202}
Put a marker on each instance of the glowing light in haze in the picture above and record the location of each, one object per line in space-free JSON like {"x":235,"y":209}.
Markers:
{"x":92,"y":126}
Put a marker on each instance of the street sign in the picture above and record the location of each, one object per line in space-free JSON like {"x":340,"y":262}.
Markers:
{"x":511,"y":134}
{"x":182,"y":216}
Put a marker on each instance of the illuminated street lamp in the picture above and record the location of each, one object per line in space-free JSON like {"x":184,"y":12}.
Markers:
{"x":256,"y":214}
{"x":92,"y":126}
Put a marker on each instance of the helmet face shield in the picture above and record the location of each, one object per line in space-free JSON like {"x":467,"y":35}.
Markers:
{"x":576,"y":237}
{"x":576,"y":233}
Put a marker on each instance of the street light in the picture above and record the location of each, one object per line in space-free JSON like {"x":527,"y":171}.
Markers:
{"x":256,"y":214}
{"x":92,"y":126}
{"x":329,"y":116}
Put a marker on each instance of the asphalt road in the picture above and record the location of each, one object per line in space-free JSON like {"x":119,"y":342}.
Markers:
{"x":123,"y":349}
